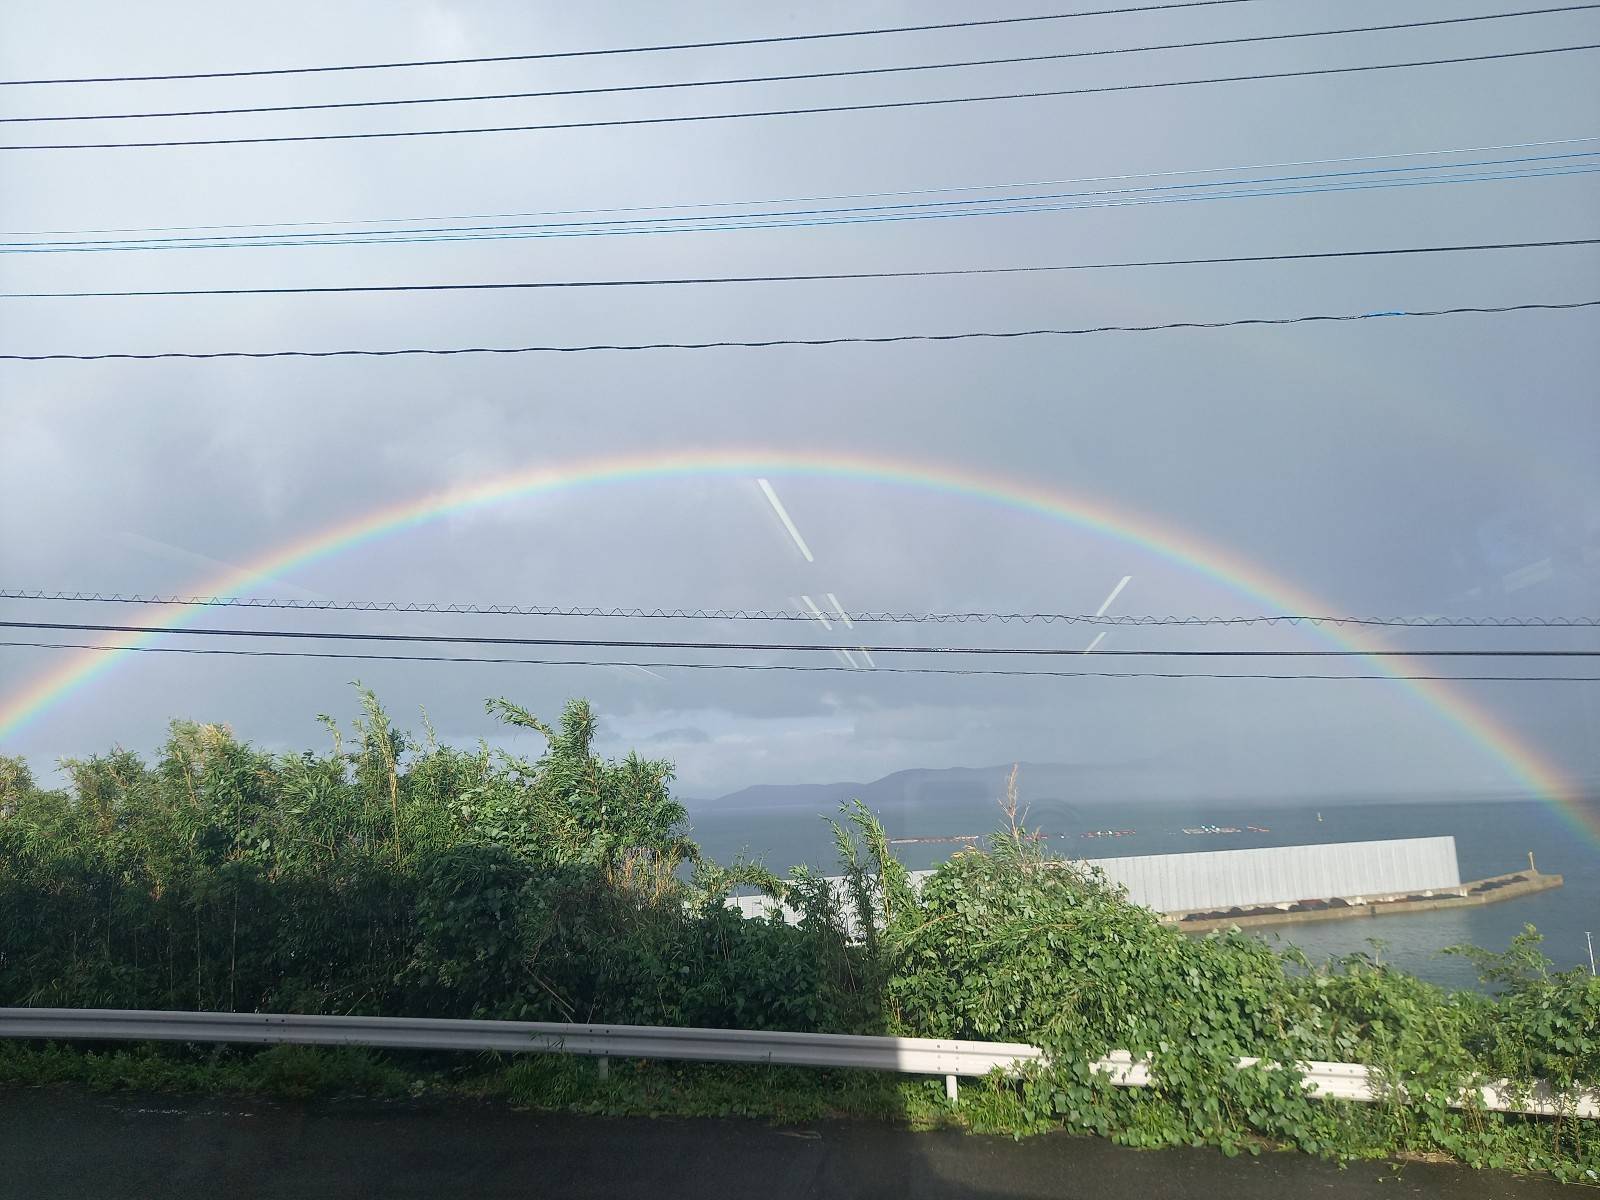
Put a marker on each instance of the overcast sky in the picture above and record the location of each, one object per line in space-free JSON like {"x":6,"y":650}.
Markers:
{"x":1396,"y":466}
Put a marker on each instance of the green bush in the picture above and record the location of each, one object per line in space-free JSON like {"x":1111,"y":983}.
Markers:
{"x":1012,"y":946}
{"x":387,"y":877}
{"x":392,"y":875}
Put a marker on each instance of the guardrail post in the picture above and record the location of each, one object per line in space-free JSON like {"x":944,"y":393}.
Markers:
{"x":951,"y":1092}
{"x":605,"y":1068}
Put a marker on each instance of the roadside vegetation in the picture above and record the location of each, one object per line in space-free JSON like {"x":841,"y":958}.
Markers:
{"x":391,"y":874}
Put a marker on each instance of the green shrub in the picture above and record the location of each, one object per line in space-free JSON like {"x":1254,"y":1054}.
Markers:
{"x":391,"y":875}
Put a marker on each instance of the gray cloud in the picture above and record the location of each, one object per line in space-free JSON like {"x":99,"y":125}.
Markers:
{"x":680,"y":736}
{"x":1411,"y":467}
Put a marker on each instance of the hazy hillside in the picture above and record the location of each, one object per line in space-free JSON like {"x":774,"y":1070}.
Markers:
{"x":932,"y":797}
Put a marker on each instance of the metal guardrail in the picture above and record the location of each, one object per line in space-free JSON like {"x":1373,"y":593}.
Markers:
{"x":1352,"y":1081}
{"x":908,"y":1056}
{"x":905,"y":1055}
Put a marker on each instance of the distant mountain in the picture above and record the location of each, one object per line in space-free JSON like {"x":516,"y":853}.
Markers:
{"x":972,"y":792}
{"x":967,"y":794}
{"x":780,"y":823}
{"x":815,"y":797}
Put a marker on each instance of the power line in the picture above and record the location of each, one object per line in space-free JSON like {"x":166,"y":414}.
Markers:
{"x":344,"y":635}
{"x":387,"y":238}
{"x":801,"y":667}
{"x":709,"y":45}
{"x":806,"y":111}
{"x":797,"y":77}
{"x":825,"y":198}
{"x":820,"y":277}
{"x":741,"y":614}
{"x":277,"y":238}
{"x":1543,"y":167}
{"x":774,"y":342}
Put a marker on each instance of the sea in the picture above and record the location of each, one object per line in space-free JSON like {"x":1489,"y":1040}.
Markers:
{"x":1493,"y":837}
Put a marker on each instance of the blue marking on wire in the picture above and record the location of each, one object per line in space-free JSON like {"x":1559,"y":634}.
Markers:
{"x":819,"y":199}
{"x":746,"y":224}
{"x":243,"y":239}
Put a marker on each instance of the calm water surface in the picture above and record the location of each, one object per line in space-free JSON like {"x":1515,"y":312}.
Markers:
{"x":1491,"y":838}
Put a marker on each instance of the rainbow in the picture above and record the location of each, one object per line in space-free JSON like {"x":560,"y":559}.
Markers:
{"x":1524,"y":763}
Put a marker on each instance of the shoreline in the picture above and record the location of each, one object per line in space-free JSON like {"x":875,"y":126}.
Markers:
{"x":1490,"y":890}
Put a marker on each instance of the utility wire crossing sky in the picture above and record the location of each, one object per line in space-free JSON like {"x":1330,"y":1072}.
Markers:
{"x":1321,"y":430}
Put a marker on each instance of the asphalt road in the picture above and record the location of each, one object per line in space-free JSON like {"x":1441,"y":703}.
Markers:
{"x":60,"y":1144}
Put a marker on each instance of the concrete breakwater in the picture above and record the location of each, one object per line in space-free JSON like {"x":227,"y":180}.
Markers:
{"x":1332,"y":908}
{"x":1214,"y":889}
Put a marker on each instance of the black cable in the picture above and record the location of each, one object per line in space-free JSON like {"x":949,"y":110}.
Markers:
{"x":808,"y":75}
{"x":702,"y":666}
{"x":716,"y":45}
{"x":823,"y":277}
{"x":344,"y":635}
{"x":741,"y":614}
{"x":811,"y":111}
{"x":771,"y":342}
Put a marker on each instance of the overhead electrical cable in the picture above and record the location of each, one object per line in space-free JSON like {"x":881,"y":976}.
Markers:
{"x":1544,"y":167}
{"x":1521,"y":160}
{"x":723,"y":43}
{"x":830,"y":197}
{"x":852,"y":340}
{"x":348,"y":635}
{"x":799,"y":667}
{"x":448,"y":608}
{"x":813,"y":277}
{"x":877,"y":106}
{"x":734,"y":226}
{"x":856,"y":72}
